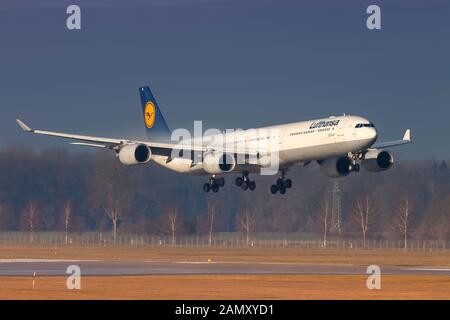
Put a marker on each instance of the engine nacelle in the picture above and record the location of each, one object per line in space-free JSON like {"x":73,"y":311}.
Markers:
{"x":336,"y":167}
{"x":217,"y":162}
{"x":377,"y":160}
{"x":133,"y":154}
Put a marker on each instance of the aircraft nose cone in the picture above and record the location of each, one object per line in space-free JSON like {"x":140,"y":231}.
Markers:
{"x":373,"y":134}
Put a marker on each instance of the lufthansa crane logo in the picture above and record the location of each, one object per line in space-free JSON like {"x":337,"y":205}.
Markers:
{"x":149,"y":114}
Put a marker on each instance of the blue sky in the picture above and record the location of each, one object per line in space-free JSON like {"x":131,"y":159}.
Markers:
{"x":229,"y":63}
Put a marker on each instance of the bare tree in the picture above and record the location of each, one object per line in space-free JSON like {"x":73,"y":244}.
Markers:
{"x":111,"y":192}
{"x":402,"y":220}
{"x":31,"y":220}
{"x":248,"y":220}
{"x":67,"y":212}
{"x":325,"y":222}
{"x":211,"y":218}
{"x":172,"y":215}
{"x":3,"y":217}
{"x":363,"y":214}
{"x":114,"y":209}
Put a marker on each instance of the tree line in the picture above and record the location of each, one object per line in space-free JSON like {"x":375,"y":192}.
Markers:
{"x":61,"y":190}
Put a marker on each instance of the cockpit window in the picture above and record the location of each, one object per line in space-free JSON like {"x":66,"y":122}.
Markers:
{"x":367,"y":125}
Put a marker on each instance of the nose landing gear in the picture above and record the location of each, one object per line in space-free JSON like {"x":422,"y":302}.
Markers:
{"x":355,"y":166}
{"x":214,"y":184}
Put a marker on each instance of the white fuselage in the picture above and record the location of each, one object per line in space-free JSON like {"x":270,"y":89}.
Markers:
{"x":295,"y":142}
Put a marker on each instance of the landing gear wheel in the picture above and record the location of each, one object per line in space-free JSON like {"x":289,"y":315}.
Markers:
{"x":355,"y":166}
{"x":214,"y":184}
{"x":273,"y":189}
{"x":280,"y":183}
{"x":288,"y":183}
{"x":244,"y":182}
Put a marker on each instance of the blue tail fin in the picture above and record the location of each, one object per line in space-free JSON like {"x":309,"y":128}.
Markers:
{"x":157,"y":129}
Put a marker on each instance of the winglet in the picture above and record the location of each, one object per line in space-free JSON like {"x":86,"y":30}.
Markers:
{"x":407,"y":136}
{"x":23,"y":126}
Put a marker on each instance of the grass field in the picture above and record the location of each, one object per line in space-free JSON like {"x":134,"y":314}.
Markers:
{"x":229,"y":286}
{"x":219,"y":254}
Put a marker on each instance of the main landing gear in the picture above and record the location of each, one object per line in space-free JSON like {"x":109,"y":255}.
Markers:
{"x":245,"y":183}
{"x":281,"y":185}
{"x":214,"y":184}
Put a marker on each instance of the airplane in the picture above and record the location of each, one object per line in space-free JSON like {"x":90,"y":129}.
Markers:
{"x":337,"y":143}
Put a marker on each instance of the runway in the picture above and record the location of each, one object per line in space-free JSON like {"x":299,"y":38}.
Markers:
{"x":23,"y":267}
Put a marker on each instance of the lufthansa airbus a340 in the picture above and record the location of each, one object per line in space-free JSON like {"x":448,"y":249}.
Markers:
{"x":339,"y":144}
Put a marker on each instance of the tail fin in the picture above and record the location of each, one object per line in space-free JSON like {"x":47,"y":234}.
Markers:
{"x":157,"y":129}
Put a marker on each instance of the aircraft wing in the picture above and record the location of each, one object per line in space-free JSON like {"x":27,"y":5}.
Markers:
{"x":116,"y":144}
{"x":406,"y":139}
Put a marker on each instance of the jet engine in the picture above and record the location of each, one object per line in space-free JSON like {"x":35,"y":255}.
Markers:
{"x":336,"y":166}
{"x":377,"y":160}
{"x":217,"y":162}
{"x":132,"y":154}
